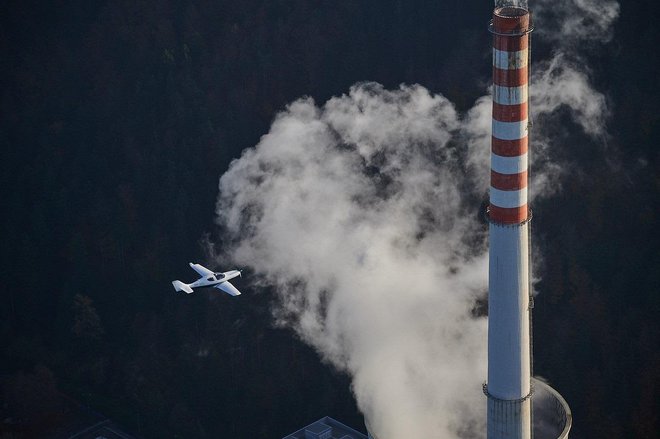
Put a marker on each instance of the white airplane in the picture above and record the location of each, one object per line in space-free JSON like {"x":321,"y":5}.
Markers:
{"x":209,"y":279}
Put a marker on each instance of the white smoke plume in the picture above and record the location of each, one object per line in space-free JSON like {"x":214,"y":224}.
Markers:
{"x":573,"y":27}
{"x":354,"y":212}
{"x":362,"y":215}
{"x":575,"y":23}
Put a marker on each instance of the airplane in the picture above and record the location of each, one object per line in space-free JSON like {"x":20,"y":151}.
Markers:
{"x":209,"y":279}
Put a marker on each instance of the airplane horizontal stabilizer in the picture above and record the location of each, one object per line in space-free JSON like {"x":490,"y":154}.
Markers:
{"x":180,"y":286}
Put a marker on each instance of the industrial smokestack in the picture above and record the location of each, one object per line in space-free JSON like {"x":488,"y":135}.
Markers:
{"x":509,"y":348}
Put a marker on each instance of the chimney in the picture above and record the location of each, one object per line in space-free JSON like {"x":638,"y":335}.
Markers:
{"x":509,"y":348}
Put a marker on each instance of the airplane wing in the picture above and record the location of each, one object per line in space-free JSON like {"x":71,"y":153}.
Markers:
{"x":202,"y":271}
{"x":228,"y":288}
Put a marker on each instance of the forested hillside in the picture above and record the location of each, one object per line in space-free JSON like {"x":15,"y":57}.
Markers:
{"x":117,"y":119}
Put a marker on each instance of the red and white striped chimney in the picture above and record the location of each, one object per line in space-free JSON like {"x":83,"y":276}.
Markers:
{"x":509,"y":351}
{"x":508,"y":196}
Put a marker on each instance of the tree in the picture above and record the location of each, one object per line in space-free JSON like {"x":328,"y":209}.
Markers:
{"x":86,"y":322}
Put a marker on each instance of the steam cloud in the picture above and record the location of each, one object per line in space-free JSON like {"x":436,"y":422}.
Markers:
{"x":575,"y":23}
{"x":362,"y":215}
{"x":354,"y":212}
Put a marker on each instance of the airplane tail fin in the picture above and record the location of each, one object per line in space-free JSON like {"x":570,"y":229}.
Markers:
{"x":180,"y":286}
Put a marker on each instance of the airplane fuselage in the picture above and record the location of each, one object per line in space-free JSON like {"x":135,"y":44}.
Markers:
{"x":214,"y":279}
{"x":209,"y":278}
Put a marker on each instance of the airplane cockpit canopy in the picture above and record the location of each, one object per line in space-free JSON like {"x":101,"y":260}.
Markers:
{"x":219,"y":275}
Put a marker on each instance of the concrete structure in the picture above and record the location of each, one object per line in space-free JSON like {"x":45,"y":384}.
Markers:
{"x":509,"y":348}
{"x":326,"y":428}
{"x":551,"y":415}
{"x":509,"y":387}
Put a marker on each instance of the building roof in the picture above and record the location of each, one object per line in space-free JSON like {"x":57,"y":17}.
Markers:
{"x":105,"y":429}
{"x":326,"y":428}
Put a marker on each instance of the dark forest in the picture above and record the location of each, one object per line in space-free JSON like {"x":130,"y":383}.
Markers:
{"x":117,"y":119}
